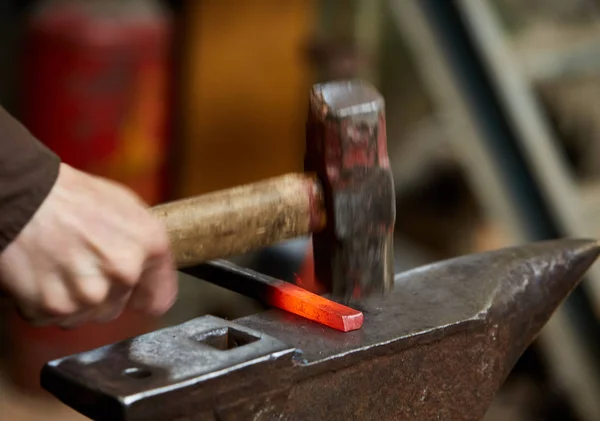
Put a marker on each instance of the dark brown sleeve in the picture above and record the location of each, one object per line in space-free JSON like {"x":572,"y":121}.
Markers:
{"x":28,"y":171}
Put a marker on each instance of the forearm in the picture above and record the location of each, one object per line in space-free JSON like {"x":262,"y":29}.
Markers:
{"x":28,"y":170}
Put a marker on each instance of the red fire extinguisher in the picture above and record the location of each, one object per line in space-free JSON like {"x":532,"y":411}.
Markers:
{"x":95,"y":87}
{"x":95,"y":90}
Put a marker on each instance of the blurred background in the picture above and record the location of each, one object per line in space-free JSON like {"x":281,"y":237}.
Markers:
{"x":493,"y":111}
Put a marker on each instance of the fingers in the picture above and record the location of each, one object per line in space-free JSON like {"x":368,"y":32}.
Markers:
{"x":158,"y":286}
{"x":86,"y":279}
{"x":99,"y":289}
{"x":154,"y":294}
{"x":94,"y":291}
{"x":157,"y":289}
{"x":53,"y":302}
{"x":91,"y":250}
{"x":116,"y":303}
{"x":87,"y":289}
{"x":105,"y":312}
{"x":56,"y":299}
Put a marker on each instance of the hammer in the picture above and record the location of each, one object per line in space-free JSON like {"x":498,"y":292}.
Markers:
{"x":345,"y":199}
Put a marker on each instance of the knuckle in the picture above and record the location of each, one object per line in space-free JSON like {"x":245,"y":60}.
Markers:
{"x":160,"y":307}
{"x":157,"y":310}
{"x":156,"y":238}
{"x":123,"y":265}
{"x":53,"y":307}
{"x":109,"y":314}
{"x":93,"y":293}
{"x":128,"y":271}
{"x":88,"y":282}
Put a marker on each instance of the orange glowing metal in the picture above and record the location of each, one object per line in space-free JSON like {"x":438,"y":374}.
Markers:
{"x":296,"y":300}
{"x":280,"y":294}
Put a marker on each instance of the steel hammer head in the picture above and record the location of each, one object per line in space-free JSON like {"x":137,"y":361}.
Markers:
{"x":346,"y":147}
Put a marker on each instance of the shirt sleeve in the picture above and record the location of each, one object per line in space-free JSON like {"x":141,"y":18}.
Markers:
{"x":28,"y":171}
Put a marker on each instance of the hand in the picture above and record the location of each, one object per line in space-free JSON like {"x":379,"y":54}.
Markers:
{"x":91,"y":249}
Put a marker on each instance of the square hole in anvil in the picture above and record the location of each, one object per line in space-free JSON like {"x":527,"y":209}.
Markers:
{"x":224,"y":338}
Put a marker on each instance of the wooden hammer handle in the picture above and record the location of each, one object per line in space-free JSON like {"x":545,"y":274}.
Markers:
{"x":242,"y":219}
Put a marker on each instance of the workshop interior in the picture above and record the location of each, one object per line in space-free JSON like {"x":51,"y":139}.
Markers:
{"x":490,"y":114}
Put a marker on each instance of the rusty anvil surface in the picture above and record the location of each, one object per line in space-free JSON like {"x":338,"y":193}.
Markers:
{"x":439,"y":347}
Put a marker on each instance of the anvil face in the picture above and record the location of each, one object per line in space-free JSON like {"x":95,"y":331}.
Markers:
{"x":439,"y":347}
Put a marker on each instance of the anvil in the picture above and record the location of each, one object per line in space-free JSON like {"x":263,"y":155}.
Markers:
{"x":438,"y":347}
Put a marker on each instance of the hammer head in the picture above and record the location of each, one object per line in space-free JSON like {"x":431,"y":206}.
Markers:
{"x":346,"y":147}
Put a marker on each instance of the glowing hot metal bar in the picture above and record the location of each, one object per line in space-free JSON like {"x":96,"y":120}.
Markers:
{"x":280,"y":294}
